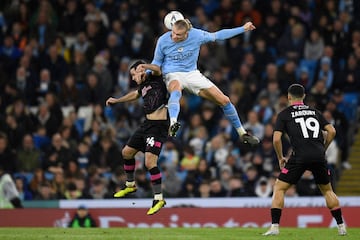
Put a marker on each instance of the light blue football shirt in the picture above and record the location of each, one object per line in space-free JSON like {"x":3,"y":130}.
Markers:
{"x":182,"y":56}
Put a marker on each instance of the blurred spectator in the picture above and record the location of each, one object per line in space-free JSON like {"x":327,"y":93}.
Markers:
{"x":306,"y":186}
{"x":225,"y":175}
{"x":58,"y":185}
{"x":28,"y":156}
{"x":254,"y":125}
{"x":202,"y":173}
{"x":216,"y":188}
{"x":251,"y":177}
{"x":171,"y":183}
{"x":106,"y":155}
{"x":82,"y":218}
{"x":169,"y":156}
{"x":225,"y":13}
{"x":349,"y":79}
{"x":272,"y":91}
{"x":314,"y":46}
{"x":95,"y":33}
{"x":341,"y":125}
{"x":8,"y":159}
{"x":117,"y":180}
{"x":116,"y":53}
{"x":54,"y":107}
{"x":204,"y":189}
{"x":62,"y":50}
{"x":304,"y":78}
{"x":104,"y":75}
{"x":85,"y":47}
{"x":139,"y":42}
{"x":42,"y":30}
{"x":56,"y":64}
{"x":45,"y":192}
{"x":122,"y":85}
{"x":190,"y":161}
{"x":189,"y":189}
{"x":94,"y":133}
{"x":143,"y":184}
{"x":82,"y":156}
{"x":25,"y":85}
{"x":291,"y":45}
{"x":79,"y":68}
{"x":263,"y":109}
{"x":92,"y":93}
{"x":69,"y":93}
{"x":99,"y":190}
{"x":56,"y":156}
{"x":236,"y":187}
{"x":216,"y":151}
{"x":14,"y":131}
{"x":9,"y":54}
{"x":291,"y":192}
{"x":263,"y":188}
{"x":38,"y":178}
{"x":22,"y":188}
{"x":45,"y":85}
{"x":94,"y":14}
{"x":247,"y":12}
{"x":325,"y":73}
{"x":286,"y":75}
{"x":320,"y":94}
{"x":71,"y":22}
{"x":71,"y":192}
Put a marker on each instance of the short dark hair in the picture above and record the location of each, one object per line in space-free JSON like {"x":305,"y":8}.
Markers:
{"x":296,"y":90}
{"x":136,"y":63}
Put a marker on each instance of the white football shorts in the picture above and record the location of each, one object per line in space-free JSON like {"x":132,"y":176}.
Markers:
{"x":192,"y":81}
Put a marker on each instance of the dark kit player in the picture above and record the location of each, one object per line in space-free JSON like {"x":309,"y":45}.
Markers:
{"x":304,"y":126}
{"x":151,"y":134}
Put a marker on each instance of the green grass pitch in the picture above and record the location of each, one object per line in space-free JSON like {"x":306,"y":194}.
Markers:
{"x":174,"y":233}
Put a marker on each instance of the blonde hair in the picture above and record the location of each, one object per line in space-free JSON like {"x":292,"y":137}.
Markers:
{"x":184,"y":24}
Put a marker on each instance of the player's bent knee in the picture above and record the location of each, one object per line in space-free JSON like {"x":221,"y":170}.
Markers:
{"x":224,"y":100}
{"x":174,"y":85}
{"x":127,"y":153}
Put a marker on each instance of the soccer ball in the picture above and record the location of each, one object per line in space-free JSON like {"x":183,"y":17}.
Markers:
{"x":171,"y":18}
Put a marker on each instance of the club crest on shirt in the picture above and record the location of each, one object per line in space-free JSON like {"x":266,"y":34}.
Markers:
{"x":145,"y":90}
{"x":180,"y":49}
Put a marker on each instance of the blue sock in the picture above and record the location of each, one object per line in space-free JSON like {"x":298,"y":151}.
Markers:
{"x":231,"y":114}
{"x":174,"y":105}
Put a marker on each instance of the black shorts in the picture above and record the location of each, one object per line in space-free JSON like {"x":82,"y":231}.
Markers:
{"x":293,"y":171}
{"x":150,"y":136}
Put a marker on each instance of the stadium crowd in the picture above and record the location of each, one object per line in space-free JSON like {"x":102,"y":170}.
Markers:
{"x":61,"y":59}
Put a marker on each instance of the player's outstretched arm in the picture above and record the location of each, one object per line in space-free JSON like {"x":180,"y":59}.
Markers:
{"x":152,"y":67}
{"x":131,"y":96}
{"x":232,"y":32}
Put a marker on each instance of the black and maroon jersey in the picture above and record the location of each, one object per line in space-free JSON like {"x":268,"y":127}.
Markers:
{"x":154,"y":93}
{"x":304,"y":127}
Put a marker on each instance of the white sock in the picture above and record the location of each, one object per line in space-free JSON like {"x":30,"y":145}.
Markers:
{"x":241,"y":130}
{"x":172,"y":121}
{"x":130,"y":184}
{"x":158,"y":196}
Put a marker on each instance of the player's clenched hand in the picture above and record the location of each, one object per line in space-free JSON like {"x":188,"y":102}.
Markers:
{"x":111,"y":101}
{"x":249,"y":26}
{"x":140,"y":68}
{"x":282,"y":162}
